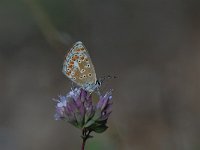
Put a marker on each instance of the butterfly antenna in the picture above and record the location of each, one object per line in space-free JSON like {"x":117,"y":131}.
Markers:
{"x":102,"y":79}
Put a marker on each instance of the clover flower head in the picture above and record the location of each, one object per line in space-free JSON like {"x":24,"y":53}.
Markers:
{"x":77,"y":107}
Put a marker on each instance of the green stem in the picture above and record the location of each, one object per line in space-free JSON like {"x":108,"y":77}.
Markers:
{"x":85,"y":136}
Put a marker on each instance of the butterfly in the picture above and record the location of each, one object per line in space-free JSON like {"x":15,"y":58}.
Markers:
{"x":78,"y":67}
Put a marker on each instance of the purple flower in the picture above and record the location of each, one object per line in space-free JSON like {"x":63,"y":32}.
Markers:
{"x":78,"y":108}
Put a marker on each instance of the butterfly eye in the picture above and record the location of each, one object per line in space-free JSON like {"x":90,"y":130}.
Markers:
{"x":79,"y":61}
{"x":68,"y":69}
{"x":84,"y":76}
{"x":74,"y":78}
{"x":80,"y":77}
{"x":89,"y":74}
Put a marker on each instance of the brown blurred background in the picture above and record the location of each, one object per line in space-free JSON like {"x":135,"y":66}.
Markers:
{"x":152,"y":46}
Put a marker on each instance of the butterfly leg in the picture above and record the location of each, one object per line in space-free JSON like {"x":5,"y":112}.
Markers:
{"x":73,"y":87}
{"x":98,"y":91}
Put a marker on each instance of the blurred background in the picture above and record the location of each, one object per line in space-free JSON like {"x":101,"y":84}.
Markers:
{"x":152,"y":46}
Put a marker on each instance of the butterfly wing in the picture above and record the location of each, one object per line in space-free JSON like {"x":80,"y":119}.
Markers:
{"x":78,"y":66}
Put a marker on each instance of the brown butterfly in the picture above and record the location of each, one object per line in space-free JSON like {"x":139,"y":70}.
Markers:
{"x":78,"y":67}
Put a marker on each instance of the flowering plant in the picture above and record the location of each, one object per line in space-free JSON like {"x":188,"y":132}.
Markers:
{"x":78,"y":108}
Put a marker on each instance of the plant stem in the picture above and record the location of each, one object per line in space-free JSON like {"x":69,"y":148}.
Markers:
{"x":83,"y":144}
{"x":85,"y":136}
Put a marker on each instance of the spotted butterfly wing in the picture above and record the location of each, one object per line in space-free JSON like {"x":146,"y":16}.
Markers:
{"x":78,"y":67}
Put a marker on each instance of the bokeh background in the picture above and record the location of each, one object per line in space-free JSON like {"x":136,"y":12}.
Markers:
{"x":152,"y":46}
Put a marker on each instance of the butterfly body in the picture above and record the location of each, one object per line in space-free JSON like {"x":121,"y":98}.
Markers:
{"x":78,"y":67}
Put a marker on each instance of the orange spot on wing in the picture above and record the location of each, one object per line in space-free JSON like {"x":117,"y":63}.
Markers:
{"x":76,"y":74}
{"x":71,"y":62}
{"x":68,"y":73}
{"x":74,"y":58}
{"x":70,"y":66}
